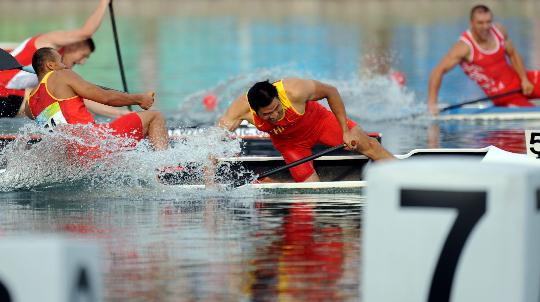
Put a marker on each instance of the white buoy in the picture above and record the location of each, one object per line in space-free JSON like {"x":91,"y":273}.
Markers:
{"x":451,"y":230}
{"x":49,"y":269}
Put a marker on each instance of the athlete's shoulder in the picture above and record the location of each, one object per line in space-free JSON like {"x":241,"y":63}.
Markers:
{"x":501,"y":29}
{"x":294,"y":85}
{"x":297,"y":88}
{"x":65,"y":73}
{"x":460,"y":49}
{"x":294,"y":81}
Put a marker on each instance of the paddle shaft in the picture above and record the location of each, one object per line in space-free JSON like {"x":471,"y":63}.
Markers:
{"x":481,"y":100}
{"x":118,"y":53}
{"x":300,"y":161}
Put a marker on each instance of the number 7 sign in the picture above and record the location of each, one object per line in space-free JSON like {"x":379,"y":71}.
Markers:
{"x":451,"y":230}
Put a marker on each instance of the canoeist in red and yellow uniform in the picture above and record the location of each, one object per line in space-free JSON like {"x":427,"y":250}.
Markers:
{"x":74,"y":45}
{"x":481,"y":51}
{"x":288,"y":110}
{"x":58,"y":100}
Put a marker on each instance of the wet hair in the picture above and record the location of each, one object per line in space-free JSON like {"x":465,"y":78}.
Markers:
{"x":42,"y":56}
{"x":261,"y":95}
{"x":479,"y":9}
{"x":90,"y":44}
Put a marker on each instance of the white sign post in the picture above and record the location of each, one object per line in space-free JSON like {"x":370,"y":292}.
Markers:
{"x":49,"y":269}
{"x":451,"y":230}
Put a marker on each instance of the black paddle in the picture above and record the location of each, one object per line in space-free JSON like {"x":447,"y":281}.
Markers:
{"x":481,"y":100}
{"x":293,"y":164}
{"x":118,"y":53}
{"x":300,"y":161}
{"x":7,"y":61}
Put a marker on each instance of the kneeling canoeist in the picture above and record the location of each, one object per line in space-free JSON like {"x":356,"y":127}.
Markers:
{"x":289,"y":112}
{"x":75,"y":46}
{"x":481,"y":51}
{"x":58,"y":99}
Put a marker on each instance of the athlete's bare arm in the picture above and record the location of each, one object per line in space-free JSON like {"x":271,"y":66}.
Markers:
{"x":58,"y":39}
{"x":301,"y":91}
{"x":73,"y":84}
{"x":459,"y":52}
{"x":517,"y":61}
{"x":104,"y":110}
{"x":27,"y":110}
{"x":22,"y":110}
{"x":235,"y":114}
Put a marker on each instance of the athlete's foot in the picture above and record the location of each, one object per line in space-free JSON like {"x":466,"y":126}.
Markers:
{"x":265,"y":180}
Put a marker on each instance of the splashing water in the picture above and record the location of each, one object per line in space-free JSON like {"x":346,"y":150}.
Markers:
{"x":377,"y":98}
{"x":81,"y":157}
{"x":369,"y":96}
{"x":227,"y":91}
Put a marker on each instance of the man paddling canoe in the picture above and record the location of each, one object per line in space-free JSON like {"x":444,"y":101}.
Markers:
{"x":288,"y":111}
{"x":481,"y":51}
{"x":58,"y":99}
{"x":74,"y":45}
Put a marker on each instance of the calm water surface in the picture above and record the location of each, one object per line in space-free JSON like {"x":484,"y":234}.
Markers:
{"x":221,"y":248}
{"x":171,"y":245}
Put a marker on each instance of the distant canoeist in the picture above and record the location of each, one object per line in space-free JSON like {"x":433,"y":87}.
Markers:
{"x":58,"y":100}
{"x":481,"y":51}
{"x":288,"y":110}
{"x":74,"y":45}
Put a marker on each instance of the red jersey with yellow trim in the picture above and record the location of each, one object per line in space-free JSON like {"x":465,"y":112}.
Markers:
{"x":13,"y":82}
{"x":292,"y":121}
{"x":51,"y":111}
{"x":490,"y":69}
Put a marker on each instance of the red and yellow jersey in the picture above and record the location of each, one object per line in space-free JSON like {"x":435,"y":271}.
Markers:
{"x":13,"y":82}
{"x":50,"y":111}
{"x":490,"y":69}
{"x":292,"y":121}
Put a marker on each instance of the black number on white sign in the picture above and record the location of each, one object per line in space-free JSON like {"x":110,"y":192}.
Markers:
{"x":538,"y":208}
{"x":535,"y":138}
{"x":538,"y":199}
{"x":4,"y":293}
{"x":471,"y":206}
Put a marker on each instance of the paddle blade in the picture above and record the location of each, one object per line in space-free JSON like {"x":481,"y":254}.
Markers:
{"x":7,"y":61}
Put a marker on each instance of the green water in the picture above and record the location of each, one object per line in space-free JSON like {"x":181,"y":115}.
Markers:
{"x":166,"y":244}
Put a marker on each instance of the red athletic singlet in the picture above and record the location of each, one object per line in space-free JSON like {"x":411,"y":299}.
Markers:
{"x":51,"y":111}
{"x":491,"y":71}
{"x":295,"y":134}
{"x":13,"y":82}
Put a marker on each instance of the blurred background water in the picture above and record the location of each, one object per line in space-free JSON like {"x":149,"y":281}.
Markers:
{"x":186,"y":50}
{"x":164,"y":244}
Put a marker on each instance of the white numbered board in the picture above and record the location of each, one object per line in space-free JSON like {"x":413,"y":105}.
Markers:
{"x":49,"y":269}
{"x":451,"y":230}
{"x":532,"y":143}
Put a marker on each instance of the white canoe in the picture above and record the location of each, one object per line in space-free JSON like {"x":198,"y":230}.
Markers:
{"x":491,"y":113}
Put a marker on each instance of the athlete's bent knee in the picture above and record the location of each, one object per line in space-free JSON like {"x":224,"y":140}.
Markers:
{"x":302,"y":172}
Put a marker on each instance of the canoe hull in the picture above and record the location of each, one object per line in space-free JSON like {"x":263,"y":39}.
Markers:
{"x":492,"y":113}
